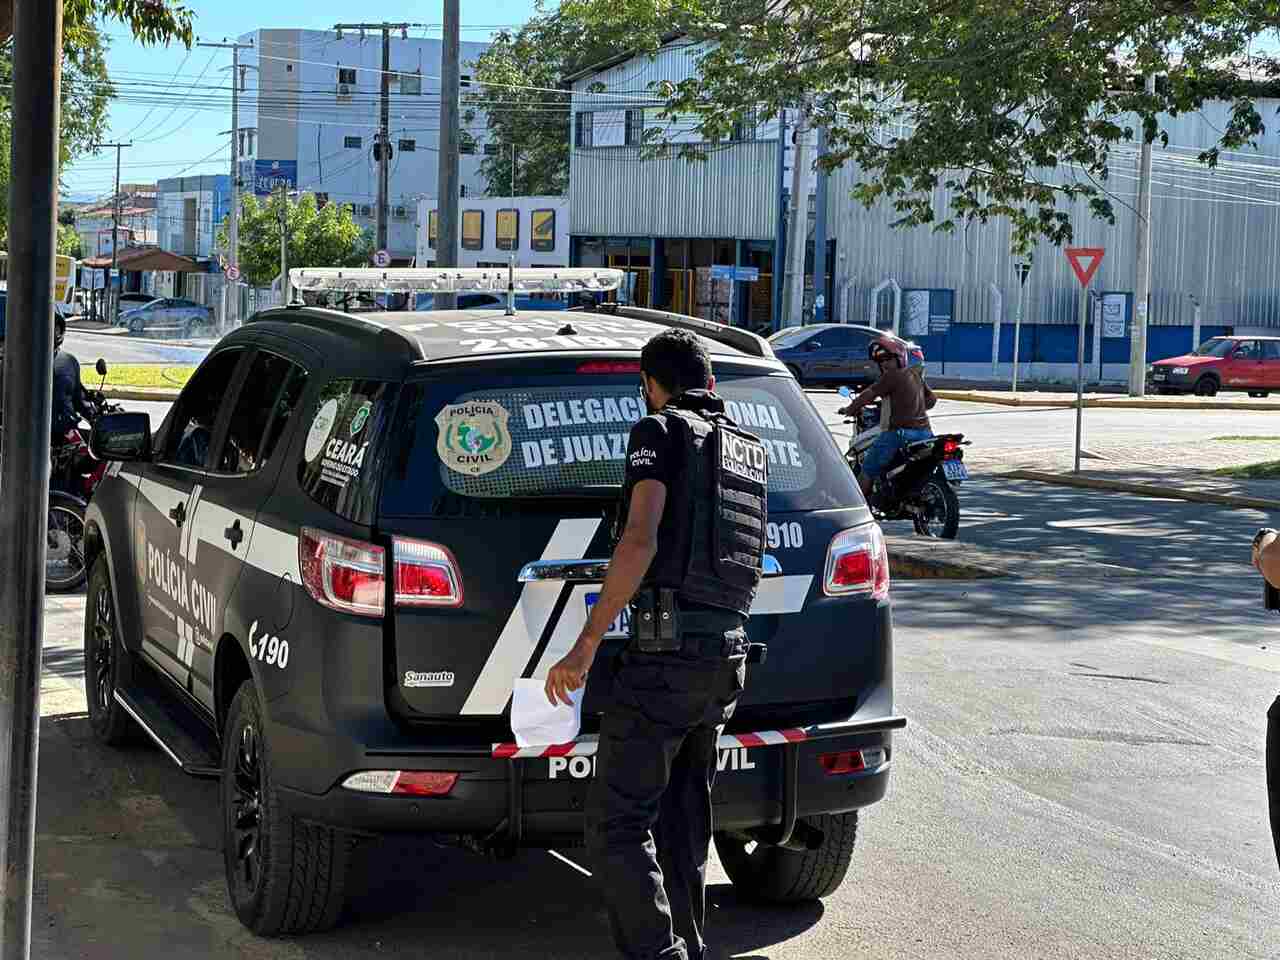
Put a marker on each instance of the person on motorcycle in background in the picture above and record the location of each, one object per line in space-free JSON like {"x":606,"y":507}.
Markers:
{"x":909,"y":398}
{"x":70,"y":402}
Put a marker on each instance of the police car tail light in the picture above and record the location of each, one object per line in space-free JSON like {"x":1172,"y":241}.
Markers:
{"x":858,"y":562}
{"x":404,"y":783}
{"x":342,"y":574}
{"x":426,"y":575}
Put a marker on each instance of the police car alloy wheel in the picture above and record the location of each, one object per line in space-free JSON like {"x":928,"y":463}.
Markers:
{"x":105,"y":660}
{"x":284,"y":876}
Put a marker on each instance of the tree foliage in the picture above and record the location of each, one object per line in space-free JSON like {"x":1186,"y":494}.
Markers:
{"x":318,"y":236}
{"x":1018,"y":108}
{"x":518,"y":78}
{"x":69,"y":241}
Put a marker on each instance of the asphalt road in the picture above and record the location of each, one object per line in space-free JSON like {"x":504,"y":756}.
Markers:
{"x":88,"y":347}
{"x":1082,"y":777}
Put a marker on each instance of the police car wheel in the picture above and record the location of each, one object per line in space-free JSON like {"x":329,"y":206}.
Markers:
{"x":107,"y":662}
{"x":775,"y":875}
{"x":284,"y":875}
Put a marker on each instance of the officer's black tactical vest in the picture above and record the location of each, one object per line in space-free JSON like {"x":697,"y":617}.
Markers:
{"x":719,"y":507}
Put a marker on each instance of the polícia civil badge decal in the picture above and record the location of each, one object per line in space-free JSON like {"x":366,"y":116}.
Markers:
{"x":474,"y":438}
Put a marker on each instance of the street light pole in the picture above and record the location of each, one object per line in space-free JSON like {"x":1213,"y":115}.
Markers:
{"x":115,"y":226}
{"x":24,"y":465}
{"x":1142,"y":256}
{"x":447,"y":179}
{"x":1023,"y":270}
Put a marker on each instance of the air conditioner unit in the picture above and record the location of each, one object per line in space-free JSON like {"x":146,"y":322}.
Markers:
{"x":366,"y":210}
{"x":400,"y":213}
{"x":344,"y":89}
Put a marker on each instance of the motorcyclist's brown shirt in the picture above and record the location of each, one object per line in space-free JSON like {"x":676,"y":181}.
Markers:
{"x":908,"y":395}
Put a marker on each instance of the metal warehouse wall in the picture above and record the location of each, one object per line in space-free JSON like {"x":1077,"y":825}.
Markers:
{"x":733,"y":193}
{"x":1215,"y":233}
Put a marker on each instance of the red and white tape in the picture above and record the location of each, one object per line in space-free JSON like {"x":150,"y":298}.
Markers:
{"x":587,"y":745}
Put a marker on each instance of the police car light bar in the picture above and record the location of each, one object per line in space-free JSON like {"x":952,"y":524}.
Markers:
{"x":468,"y":280}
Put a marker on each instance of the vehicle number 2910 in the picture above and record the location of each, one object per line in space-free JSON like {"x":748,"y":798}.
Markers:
{"x":786,"y":535}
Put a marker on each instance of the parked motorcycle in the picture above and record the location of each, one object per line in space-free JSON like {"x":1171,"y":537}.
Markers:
{"x":74,"y":474}
{"x":919,"y":484}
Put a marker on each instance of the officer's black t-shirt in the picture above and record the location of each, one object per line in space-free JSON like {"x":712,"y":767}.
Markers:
{"x":653,"y":452}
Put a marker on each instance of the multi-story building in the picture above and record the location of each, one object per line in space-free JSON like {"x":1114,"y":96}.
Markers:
{"x":309,"y":115}
{"x":189,"y":213}
{"x":493,"y":229}
{"x":138,"y":224}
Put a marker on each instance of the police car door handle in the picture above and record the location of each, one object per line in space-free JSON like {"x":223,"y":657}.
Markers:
{"x":179,"y":513}
{"x":566,"y":571}
{"x":234,"y":534}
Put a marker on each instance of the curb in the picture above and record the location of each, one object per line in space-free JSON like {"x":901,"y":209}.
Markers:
{"x":909,"y":566}
{"x":155,"y":394}
{"x":1145,"y":489}
{"x":1101,"y":400}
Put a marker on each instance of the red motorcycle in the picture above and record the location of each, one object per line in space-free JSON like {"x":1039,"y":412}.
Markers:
{"x":74,"y":474}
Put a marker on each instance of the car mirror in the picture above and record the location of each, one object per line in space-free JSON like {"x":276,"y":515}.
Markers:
{"x":101,"y":367}
{"x":121,"y":437}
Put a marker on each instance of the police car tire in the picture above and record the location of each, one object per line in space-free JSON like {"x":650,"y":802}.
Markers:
{"x":110,"y":724}
{"x":774,"y":875}
{"x":303,"y":866}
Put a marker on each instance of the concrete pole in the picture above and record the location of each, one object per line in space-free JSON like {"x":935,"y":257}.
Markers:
{"x":24,"y":467}
{"x":1195,"y":323}
{"x":115,"y":243}
{"x":232,"y":313}
{"x":448,"y":180}
{"x":384,"y":140}
{"x":1024,"y":269}
{"x":284,"y":246}
{"x":798,"y":231}
{"x":780,"y":226}
{"x":997,"y":315}
{"x":820,"y":238}
{"x":1142,"y":278}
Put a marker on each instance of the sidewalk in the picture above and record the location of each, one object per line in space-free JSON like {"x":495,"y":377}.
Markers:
{"x":81,"y":325}
{"x":1114,"y":401}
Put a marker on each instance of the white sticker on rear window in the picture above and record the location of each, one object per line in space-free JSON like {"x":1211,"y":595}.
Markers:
{"x":474,"y":438}
{"x":320,"y":428}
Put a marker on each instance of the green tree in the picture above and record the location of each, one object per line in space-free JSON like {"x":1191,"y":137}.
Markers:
{"x":1014,"y":108}
{"x":69,"y":241}
{"x":318,"y":236}
{"x":518,"y":76}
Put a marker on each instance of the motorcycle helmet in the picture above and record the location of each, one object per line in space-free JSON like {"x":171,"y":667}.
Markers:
{"x":886,"y":347}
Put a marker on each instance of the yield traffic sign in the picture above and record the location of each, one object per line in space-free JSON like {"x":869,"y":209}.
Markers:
{"x":1085,"y":262}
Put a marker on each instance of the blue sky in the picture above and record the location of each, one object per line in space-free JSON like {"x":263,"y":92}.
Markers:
{"x":179,"y":136}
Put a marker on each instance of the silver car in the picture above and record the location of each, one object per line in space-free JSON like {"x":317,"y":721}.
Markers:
{"x":168,"y":316}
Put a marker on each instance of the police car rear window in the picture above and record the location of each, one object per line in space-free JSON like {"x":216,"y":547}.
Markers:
{"x":567,"y":435}
{"x":337,"y":467}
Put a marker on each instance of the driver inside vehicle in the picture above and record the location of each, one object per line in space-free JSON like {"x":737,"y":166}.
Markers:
{"x":909,"y":398}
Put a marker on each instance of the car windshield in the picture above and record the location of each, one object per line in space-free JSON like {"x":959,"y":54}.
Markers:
{"x":1213,"y":348}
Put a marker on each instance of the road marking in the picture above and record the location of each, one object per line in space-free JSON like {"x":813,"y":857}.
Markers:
{"x":563,"y":859}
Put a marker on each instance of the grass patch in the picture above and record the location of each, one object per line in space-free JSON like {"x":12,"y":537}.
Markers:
{"x":1267,"y":470}
{"x":138,"y":375}
{"x":1245,"y":439}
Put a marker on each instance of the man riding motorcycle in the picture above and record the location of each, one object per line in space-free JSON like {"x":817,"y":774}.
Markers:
{"x":70,"y":402}
{"x":908,"y":397}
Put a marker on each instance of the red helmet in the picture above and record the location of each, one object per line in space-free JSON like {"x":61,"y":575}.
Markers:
{"x":886,"y":346}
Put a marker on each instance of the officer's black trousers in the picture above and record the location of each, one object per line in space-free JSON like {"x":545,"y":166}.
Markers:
{"x":649,"y":811}
{"x":1273,"y":772}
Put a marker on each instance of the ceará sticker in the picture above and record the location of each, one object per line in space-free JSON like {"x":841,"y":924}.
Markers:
{"x":474,"y":438}
{"x":320,"y":428}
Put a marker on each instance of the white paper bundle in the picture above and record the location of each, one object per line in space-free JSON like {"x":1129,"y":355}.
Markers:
{"x":535,"y":722}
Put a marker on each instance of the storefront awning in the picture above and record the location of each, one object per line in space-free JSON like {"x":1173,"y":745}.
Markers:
{"x":145,"y":259}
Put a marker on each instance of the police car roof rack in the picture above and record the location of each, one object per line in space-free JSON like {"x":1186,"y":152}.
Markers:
{"x":453,"y":280}
{"x":742,"y":340}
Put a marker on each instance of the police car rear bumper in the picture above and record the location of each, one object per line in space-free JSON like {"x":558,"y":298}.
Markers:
{"x":539,"y":800}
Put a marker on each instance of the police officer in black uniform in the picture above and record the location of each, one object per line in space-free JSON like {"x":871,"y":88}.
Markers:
{"x":688,"y":560}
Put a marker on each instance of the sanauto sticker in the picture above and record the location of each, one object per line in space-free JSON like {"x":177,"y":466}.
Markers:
{"x":474,"y":437}
{"x":320,"y":428}
{"x":428,"y":678}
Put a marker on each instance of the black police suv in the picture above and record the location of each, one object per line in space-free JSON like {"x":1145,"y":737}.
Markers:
{"x":320,"y":576}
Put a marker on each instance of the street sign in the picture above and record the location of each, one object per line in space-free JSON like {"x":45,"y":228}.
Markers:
{"x":382,"y":259}
{"x":719,"y":272}
{"x":233,"y":273}
{"x":1085,"y":262}
{"x":729,"y":272}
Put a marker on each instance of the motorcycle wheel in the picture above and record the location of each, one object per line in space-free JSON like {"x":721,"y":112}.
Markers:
{"x":64,"y":568}
{"x":940,"y":509}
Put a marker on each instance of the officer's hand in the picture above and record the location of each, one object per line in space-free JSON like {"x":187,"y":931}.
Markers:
{"x":568,"y":675}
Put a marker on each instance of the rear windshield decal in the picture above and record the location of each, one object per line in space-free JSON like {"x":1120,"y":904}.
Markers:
{"x":320,"y":429}
{"x":474,"y":437}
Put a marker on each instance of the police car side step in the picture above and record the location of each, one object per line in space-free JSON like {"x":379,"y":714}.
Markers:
{"x":184,"y":739}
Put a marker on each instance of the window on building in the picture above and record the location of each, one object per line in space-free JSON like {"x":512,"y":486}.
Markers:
{"x":744,"y":128}
{"x":251,"y":133}
{"x":507,"y":231}
{"x":464,"y":81}
{"x":347,"y":75}
{"x":433,"y":228}
{"x":408,"y":146}
{"x":490,"y":149}
{"x":466,"y":143}
{"x":353,"y":143}
{"x":472,"y":229}
{"x":542,"y":231}
{"x":240,"y":140}
{"x":582,"y":130}
{"x":411,"y":84}
{"x":635,"y":128}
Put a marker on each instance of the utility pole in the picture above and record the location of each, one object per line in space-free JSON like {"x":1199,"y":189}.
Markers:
{"x":798,"y":232}
{"x":24,"y":468}
{"x":1024,"y":269}
{"x":819,"y":239}
{"x":780,"y":227}
{"x":284,"y":245}
{"x":1142,"y":280}
{"x":233,"y":220}
{"x":447,"y":182}
{"x":115,"y":227}
{"x":382,"y":151}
